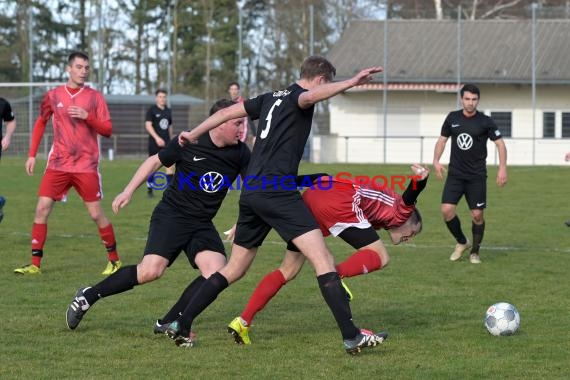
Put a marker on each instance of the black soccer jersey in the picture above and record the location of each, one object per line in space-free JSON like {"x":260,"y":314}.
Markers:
{"x":203,"y":175}
{"x":6,"y":115}
{"x":282,"y":133}
{"x":469,"y":142}
{"x":161,"y":120}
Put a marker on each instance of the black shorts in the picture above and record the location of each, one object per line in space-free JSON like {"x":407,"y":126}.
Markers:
{"x":356,"y":237}
{"x":475,"y":190}
{"x":170,"y":233}
{"x":285,"y":211}
{"x":153,"y":148}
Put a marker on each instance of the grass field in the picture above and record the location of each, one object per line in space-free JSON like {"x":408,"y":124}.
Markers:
{"x":433,"y":308}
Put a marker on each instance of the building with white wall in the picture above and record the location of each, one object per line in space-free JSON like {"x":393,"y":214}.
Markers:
{"x":427,"y":62}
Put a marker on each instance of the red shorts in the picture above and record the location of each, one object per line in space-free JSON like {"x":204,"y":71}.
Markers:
{"x":55,"y":185}
{"x":335,"y":209}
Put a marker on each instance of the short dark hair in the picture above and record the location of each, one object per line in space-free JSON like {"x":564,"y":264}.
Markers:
{"x":160,"y":91}
{"x":315,"y":66}
{"x":233,"y":84}
{"x":222,"y":103}
{"x":76,"y":54}
{"x":416,"y":219}
{"x":470,"y":88}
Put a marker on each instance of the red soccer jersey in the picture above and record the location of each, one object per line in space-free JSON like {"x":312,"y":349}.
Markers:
{"x":75,"y":146}
{"x":341,"y":205}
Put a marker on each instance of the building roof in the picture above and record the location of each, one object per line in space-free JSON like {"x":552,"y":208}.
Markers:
{"x":426,"y":51}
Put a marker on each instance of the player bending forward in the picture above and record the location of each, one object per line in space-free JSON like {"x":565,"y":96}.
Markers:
{"x":353,"y":213}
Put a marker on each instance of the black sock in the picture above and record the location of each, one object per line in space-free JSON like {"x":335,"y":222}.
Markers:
{"x":169,"y":178}
{"x":183,"y":301}
{"x":207,"y":293}
{"x":335,"y":296}
{"x":478,"y":232}
{"x":122,"y":280}
{"x":454,"y":226}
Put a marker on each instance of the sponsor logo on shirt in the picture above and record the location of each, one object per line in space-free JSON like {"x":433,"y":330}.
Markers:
{"x":464,"y":141}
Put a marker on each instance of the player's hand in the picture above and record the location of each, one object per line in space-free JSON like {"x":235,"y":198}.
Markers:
{"x":187,"y":137}
{"x":160,"y":142}
{"x":421,"y":171}
{"x":121,"y":201}
{"x":6,"y":142}
{"x":439,"y":169}
{"x":567,"y":157}
{"x":77,"y":112}
{"x":231,"y":233}
{"x":502,"y":177}
{"x":30,"y":163}
{"x":365,"y":75}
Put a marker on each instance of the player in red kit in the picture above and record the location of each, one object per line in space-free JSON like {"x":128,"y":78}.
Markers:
{"x":78,"y":114}
{"x":352,"y":212}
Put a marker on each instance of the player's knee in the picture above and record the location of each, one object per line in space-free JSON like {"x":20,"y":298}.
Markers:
{"x":148,"y":274}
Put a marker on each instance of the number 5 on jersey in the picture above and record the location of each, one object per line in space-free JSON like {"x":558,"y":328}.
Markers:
{"x":265,"y":130}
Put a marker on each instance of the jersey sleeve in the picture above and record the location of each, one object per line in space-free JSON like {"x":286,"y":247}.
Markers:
{"x":253,"y":106}
{"x":7,"y":114}
{"x":148,"y":116}
{"x":171,"y":154}
{"x":493,"y":132}
{"x":446,"y":127}
{"x":101,"y":111}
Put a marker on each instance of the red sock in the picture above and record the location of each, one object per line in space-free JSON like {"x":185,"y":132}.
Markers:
{"x":39,"y":234}
{"x":265,"y":290}
{"x":360,"y":262}
{"x":108,"y":237}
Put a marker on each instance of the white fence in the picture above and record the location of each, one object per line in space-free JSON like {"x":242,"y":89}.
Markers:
{"x":370,"y":149}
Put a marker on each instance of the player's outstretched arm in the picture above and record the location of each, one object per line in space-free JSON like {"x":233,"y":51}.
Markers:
{"x":328,"y":90}
{"x":148,"y":167}
{"x":233,"y":112}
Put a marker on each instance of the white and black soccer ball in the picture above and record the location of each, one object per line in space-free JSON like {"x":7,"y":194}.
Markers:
{"x":502,"y":319}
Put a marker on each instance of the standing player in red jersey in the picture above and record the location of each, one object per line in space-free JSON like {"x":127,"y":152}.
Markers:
{"x":352,"y":212}
{"x":78,"y":114}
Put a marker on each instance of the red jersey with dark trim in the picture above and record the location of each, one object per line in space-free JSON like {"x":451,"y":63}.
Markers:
{"x":338,"y":205}
{"x":75,"y":146}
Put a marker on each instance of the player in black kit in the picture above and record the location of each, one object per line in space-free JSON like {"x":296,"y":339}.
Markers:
{"x":469,"y":130}
{"x":269,"y":201}
{"x":158,"y":124}
{"x":182,"y":220}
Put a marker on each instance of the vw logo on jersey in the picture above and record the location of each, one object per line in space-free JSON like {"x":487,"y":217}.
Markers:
{"x":464,"y":141}
{"x":211,"y":182}
{"x":163,"y":123}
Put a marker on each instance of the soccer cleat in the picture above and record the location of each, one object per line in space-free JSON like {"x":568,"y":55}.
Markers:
{"x":364,"y":339}
{"x":149,"y":193}
{"x":112,"y":267}
{"x":28,"y":269}
{"x":474,"y":258}
{"x":347,"y":291}
{"x":2,"y":203}
{"x":567,"y":223}
{"x":239,"y":330}
{"x":160,"y":328}
{"x":76,"y":309}
{"x":459,"y":249}
{"x":175,"y":333}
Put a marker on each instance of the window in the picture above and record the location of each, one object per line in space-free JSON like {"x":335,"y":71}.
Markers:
{"x":565,"y":124}
{"x":503,"y":121}
{"x":548,"y":124}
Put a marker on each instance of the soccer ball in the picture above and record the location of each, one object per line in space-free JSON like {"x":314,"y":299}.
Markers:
{"x":502,"y":319}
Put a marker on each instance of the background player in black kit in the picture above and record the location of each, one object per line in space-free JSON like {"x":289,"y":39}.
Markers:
{"x":7,"y":116}
{"x":182,"y":220}
{"x":285,"y":119}
{"x":469,"y":130}
{"x":158,"y":124}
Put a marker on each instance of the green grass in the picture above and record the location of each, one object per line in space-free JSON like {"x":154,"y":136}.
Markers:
{"x":432,"y":307}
